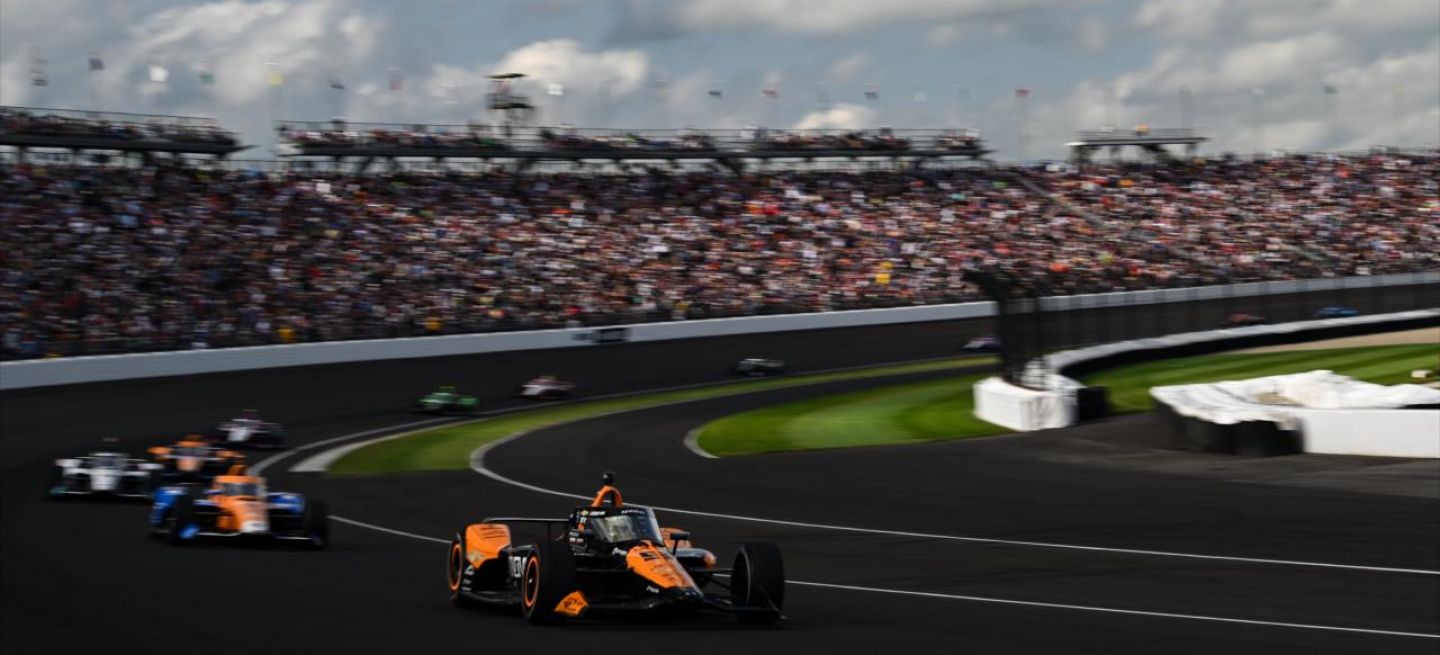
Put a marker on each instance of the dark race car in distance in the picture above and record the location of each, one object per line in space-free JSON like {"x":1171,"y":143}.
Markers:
{"x":193,"y":460}
{"x":1242,"y":319}
{"x":249,"y":431}
{"x":758,"y":366}
{"x":982,"y":345}
{"x":608,"y":558}
{"x":445,"y":400}
{"x":1336,"y":312}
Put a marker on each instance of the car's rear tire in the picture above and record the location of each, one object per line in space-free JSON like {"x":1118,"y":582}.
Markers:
{"x":455,"y":564}
{"x":758,"y":582}
{"x":547,"y":577}
{"x":315,"y":523}
{"x":181,"y":514}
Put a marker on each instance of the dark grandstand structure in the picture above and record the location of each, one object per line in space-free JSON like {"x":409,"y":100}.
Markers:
{"x":365,"y":143}
{"x":1020,"y":324}
{"x":102,"y":134}
{"x":1152,"y":142}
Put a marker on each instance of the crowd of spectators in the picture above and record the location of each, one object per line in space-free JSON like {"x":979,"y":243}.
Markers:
{"x":1302,"y":215}
{"x":114,"y":127}
{"x":96,"y":259}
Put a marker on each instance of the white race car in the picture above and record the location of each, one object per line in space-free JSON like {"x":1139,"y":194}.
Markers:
{"x":103,"y":474}
{"x":248,"y":431}
{"x":546,"y":387}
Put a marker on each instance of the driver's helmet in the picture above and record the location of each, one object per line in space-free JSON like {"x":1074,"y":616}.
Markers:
{"x":249,"y":414}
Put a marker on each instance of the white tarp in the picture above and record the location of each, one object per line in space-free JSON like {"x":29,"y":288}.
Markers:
{"x":1329,"y":390}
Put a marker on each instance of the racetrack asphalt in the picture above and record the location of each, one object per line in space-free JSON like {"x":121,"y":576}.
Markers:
{"x":81,"y":577}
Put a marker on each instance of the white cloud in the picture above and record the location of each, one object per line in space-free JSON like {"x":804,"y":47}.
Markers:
{"x":813,"y":17}
{"x":848,"y":67}
{"x":843,"y":116}
{"x":1093,"y":36}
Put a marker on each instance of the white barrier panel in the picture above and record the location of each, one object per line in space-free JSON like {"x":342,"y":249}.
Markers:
{"x":1018,"y":408}
{"x":48,"y":372}
{"x":1068,"y":358}
{"x":1376,"y":432}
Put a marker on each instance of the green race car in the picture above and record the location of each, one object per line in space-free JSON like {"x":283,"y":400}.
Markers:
{"x":445,"y":401}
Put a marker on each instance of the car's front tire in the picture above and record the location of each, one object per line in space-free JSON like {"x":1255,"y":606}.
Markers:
{"x":316,"y":524}
{"x":455,"y":564}
{"x":181,"y":515}
{"x":758,"y":582}
{"x":547,"y":577}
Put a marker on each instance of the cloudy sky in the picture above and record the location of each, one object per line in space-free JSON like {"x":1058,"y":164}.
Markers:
{"x":643,"y":63}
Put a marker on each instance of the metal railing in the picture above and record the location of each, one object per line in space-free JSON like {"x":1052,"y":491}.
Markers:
{"x":116,"y":126}
{"x":334,"y":137}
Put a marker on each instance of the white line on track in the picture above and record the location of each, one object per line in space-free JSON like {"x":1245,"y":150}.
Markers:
{"x":477,"y":463}
{"x":1003,"y":601}
{"x":263,"y":464}
{"x":381,"y":528}
{"x":692,"y":442}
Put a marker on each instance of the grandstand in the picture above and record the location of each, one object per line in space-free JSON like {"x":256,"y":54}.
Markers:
{"x":339,"y":141}
{"x":1152,"y":142}
{"x":102,"y":258}
{"x":101,"y":133}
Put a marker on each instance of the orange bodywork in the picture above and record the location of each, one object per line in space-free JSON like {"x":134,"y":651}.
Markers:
{"x":572,"y":605}
{"x":658,"y":566}
{"x":610,"y":492}
{"x":236,"y":511}
{"x":484,"y":541}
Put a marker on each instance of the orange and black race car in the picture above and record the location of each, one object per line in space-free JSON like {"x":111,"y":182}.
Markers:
{"x":193,"y":459}
{"x":608,"y":558}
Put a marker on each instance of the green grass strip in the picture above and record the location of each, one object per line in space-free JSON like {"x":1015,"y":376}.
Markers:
{"x":896,"y":414}
{"x":1130,"y":385}
{"x":449,"y":447}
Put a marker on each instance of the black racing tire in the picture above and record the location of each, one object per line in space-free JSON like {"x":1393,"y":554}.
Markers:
{"x":181,"y":514}
{"x":455,"y":571}
{"x":56,"y":481}
{"x":758,"y":582}
{"x":315,"y":524}
{"x":547,"y":577}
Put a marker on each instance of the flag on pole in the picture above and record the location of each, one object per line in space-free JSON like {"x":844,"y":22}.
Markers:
{"x":207,"y":73}
{"x":555,"y":89}
{"x":335,"y":81}
{"x":871,"y":93}
{"x":1331,"y":90}
{"x":159,"y":74}
{"x":37,"y":69}
{"x":397,"y":81}
{"x":1022,"y":93}
{"x":717,"y":93}
{"x":770,"y":92}
{"x":96,"y":63}
{"x":276,"y":77}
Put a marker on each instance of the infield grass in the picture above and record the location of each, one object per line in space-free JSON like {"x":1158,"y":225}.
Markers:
{"x":449,"y":447}
{"x":1130,"y":385}
{"x":894,"y":414}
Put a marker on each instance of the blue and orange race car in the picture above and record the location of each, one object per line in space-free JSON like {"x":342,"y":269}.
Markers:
{"x":237,"y":506}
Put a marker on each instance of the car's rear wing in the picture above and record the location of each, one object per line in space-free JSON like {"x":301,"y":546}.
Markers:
{"x":548,"y":523}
